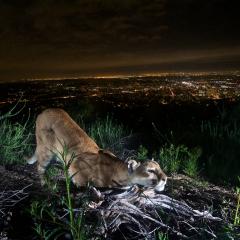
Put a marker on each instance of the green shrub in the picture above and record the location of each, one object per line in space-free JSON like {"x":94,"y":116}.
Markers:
{"x":175,"y":159}
{"x":162,"y":236}
{"x":108,"y":134}
{"x":221,"y":129}
{"x":221,"y":145}
{"x":14,"y":142}
{"x":47,"y":214}
{"x":190,"y":166}
{"x":170,"y":157}
{"x":142,"y":153}
{"x":14,"y":137}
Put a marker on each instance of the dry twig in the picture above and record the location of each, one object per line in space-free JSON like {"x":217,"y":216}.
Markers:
{"x":142,"y":212}
{"x":9,"y":198}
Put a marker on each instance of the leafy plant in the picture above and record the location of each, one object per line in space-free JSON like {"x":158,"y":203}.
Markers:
{"x":174,"y":159}
{"x":13,"y":111}
{"x":46,"y":214}
{"x":43,"y":210}
{"x":170,"y":157}
{"x":108,"y":134}
{"x":14,"y":139}
{"x":75,"y":223}
{"x":221,"y":141}
{"x":225,"y":126}
{"x":162,"y":236}
{"x":142,"y":153}
{"x":190,"y":167}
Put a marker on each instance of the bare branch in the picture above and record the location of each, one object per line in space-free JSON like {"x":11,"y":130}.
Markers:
{"x":139,"y":212}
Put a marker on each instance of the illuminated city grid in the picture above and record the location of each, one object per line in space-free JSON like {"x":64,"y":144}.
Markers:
{"x":125,"y":90}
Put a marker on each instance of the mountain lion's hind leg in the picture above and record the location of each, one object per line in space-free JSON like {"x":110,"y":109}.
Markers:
{"x":44,"y":154}
{"x":44,"y":160}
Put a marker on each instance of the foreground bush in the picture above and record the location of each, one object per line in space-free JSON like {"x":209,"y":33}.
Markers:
{"x":221,"y":146}
{"x":58,"y":218}
{"x":14,"y":139}
{"x":175,"y":159}
{"x":108,"y":134}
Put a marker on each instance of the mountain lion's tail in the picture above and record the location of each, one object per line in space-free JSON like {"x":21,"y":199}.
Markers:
{"x":32,"y":160}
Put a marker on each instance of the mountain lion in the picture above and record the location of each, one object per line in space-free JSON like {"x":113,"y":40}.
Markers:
{"x":56,"y":129}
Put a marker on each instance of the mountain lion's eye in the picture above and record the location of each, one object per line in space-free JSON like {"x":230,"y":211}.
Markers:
{"x":152,"y":171}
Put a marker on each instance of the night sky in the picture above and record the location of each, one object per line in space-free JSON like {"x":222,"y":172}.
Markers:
{"x":57,"y":38}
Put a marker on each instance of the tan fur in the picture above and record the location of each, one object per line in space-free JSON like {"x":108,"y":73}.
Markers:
{"x":55,"y":128}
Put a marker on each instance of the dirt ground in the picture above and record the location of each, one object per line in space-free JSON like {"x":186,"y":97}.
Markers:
{"x":200,"y":195}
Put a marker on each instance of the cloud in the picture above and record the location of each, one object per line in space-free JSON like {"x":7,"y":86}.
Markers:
{"x":83,"y":23}
{"x":78,"y":35}
{"x":114,"y":24}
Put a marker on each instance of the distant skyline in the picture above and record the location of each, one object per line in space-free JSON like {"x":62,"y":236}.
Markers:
{"x":54,"y":38}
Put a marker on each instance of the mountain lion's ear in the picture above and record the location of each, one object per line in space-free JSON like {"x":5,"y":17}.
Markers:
{"x":132,"y":166}
{"x":106,"y":152}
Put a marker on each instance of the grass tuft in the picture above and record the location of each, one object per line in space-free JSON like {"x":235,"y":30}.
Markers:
{"x":190,"y":166}
{"x":142,"y":153}
{"x":109,"y":134}
{"x":170,"y":157}
{"x":221,"y":142}
{"x":162,"y":236}
{"x":14,"y":139}
{"x":176,"y":159}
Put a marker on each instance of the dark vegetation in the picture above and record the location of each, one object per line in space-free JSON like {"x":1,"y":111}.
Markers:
{"x":208,"y":152}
